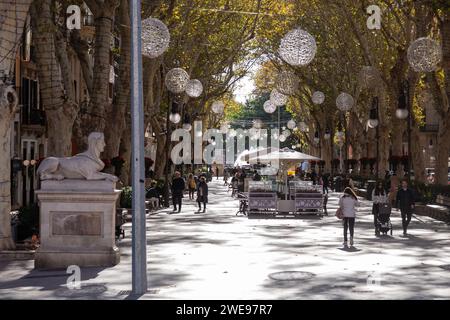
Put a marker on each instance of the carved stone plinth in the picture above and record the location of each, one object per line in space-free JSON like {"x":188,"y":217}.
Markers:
{"x":77,"y":224}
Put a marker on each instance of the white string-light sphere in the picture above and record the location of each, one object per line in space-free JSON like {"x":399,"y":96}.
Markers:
{"x":318,"y":97}
{"x":287,"y":83}
{"x":155,"y":37}
{"x":224,"y":128}
{"x":424,"y":55}
{"x":291,"y":124}
{"x":257,"y":123}
{"x":218,"y":107}
{"x":277,"y":98}
{"x":298,"y":47}
{"x":401,"y":113}
{"x":177,"y":80}
{"x":187,"y":126}
{"x":194,"y":88}
{"x":269,"y":107}
{"x":282,"y":138}
{"x":286,"y":133}
{"x":344,"y":102}
{"x":175,"y":118}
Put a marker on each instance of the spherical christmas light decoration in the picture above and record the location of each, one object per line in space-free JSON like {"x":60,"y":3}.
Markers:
{"x":194,"y":88}
{"x":344,"y":102}
{"x":257,"y":123}
{"x":287,"y":83}
{"x":218,"y":107}
{"x":318,"y":97}
{"x":224,"y":128}
{"x":303,"y":127}
{"x":277,"y":98}
{"x":269,"y":107}
{"x":291,"y":124}
{"x":286,"y":133}
{"x":175,"y":118}
{"x":327,"y":136}
{"x":369,"y":77}
{"x":232,"y":133}
{"x":282,"y":138}
{"x":176,"y":80}
{"x":372,"y":123}
{"x":187,"y":126}
{"x":401,"y":114}
{"x":155,"y":37}
{"x":424,"y":55}
{"x":340,"y":134}
{"x":298,"y":47}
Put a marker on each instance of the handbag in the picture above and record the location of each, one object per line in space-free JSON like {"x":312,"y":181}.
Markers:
{"x":339,"y":213}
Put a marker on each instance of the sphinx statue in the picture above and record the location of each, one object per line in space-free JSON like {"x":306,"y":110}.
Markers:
{"x":86,"y":165}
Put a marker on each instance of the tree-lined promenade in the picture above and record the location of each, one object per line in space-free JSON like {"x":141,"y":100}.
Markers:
{"x":84,"y":85}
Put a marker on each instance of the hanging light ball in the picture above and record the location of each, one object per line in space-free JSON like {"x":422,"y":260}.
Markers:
{"x":282,"y":138}
{"x":340,"y":134}
{"x":291,"y":124}
{"x":298,"y":47}
{"x":218,"y":107}
{"x":327,"y":136}
{"x":194,"y":88}
{"x":176,"y":80}
{"x":318,"y":97}
{"x":175,"y":118}
{"x":344,"y":102}
{"x":187,"y":126}
{"x":424,"y":55}
{"x":401,"y":113}
{"x":369,"y":77}
{"x":155,"y":37}
{"x":257,"y":123}
{"x":269,"y":106}
{"x":316,"y":140}
{"x":372,"y":123}
{"x":224,"y":128}
{"x":287,"y":83}
{"x":277,"y":98}
{"x":232,"y":133}
{"x":286,"y":133}
{"x":303,"y":127}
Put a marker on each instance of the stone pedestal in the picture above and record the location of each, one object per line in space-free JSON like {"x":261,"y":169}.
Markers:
{"x":77,"y":224}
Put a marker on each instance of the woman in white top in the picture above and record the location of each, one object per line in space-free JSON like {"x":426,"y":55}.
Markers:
{"x":379,"y":196}
{"x":348,"y":203}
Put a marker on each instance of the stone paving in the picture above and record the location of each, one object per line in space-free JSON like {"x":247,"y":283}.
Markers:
{"x":218,"y":255}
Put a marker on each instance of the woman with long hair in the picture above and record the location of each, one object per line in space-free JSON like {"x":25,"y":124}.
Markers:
{"x":379,"y":197}
{"x":348,"y":203}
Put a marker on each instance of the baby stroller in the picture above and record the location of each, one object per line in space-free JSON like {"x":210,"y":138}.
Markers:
{"x":383,"y":224}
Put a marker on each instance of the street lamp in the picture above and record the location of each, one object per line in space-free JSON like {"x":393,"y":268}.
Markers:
{"x":373,"y":124}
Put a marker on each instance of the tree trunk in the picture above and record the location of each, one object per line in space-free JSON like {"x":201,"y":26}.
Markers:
{"x":53,"y":70}
{"x":104,"y":16}
{"x":117,"y":117}
{"x":442,"y":152}
{"x":8,"y":106}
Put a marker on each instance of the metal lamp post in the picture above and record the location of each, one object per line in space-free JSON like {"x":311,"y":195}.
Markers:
{"x":139,"y":240}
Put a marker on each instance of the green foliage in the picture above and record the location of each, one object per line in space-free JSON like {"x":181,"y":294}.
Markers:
{"x":126,"y":198}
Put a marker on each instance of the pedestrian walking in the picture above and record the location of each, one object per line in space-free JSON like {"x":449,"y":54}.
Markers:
{"x":178,"y":186}
{"x":347,"y":204}
{"x":225,"y":177}
{"x":202,"y":194}
{"x":405,"y":202}
{"x":325,"y":182}
{"x":379,"y":197}
{"x":256,"y":176}
{"x":192,"y":186}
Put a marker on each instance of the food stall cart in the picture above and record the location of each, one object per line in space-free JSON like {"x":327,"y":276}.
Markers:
{"x":261,"y":198}
{"x":284,"y":159}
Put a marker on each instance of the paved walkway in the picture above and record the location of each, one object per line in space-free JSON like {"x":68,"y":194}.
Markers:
{"x":218,"y":255}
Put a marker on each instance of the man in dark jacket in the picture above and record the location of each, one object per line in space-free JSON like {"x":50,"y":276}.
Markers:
{"x":202,"y":194}
{"x":178,"y":186}
{"x":405,"y":201}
